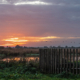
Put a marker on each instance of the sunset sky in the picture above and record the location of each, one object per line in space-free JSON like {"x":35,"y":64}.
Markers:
{"x":40,"y":22}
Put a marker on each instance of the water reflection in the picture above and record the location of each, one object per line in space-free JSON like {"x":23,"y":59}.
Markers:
{"x":20,"y":58}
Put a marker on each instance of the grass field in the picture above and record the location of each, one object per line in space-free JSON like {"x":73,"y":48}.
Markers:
{"x":22,"y":70}
{"x":18,"y":52}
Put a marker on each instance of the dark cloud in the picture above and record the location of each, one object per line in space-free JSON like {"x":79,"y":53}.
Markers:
{"x":62,"y":18}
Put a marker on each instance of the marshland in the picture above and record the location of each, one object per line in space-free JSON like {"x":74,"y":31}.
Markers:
{"x":23,"y":64}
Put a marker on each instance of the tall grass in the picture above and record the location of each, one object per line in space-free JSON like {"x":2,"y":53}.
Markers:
{"x":29,"y":70}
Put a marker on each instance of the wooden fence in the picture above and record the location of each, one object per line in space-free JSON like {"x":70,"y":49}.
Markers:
{"x":58,"y":60}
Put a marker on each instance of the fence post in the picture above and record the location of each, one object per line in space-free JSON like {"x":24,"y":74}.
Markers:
{"x":58,"y":60}
{"x":53,"y":60}
{"x":73,"y":60}
{"x":79,"y":61}
{"x":64,"y":60}
{"x":67,"y":59}
{"x":61,"y":62}
{"x":70,"y":61}
{"x":40,"y":65}
{"x":47,"y":59}
{"x":42,"y":60}
{"x":76,"y":61}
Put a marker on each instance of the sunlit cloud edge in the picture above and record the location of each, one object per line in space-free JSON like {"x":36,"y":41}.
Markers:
{"x":32,"y":3}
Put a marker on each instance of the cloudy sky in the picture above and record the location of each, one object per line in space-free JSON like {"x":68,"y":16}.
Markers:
{"x":40,"y":22}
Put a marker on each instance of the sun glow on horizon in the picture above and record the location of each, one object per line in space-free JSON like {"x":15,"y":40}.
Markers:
{"x":24,"y":40}
{"x":13,"y":41}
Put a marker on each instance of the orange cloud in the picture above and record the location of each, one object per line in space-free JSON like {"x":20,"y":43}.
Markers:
{"x":15,"y":40}
{"x":24,"y":40}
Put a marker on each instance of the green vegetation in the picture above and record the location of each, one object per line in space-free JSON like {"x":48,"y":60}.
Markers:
{"x":32,"y":55}
{"x":22,"y":70}
{"x":17,"y":69}
{"x":2,"y":56}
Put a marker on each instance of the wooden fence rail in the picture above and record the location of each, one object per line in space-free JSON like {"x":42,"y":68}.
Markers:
{"x":58,"y":60}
